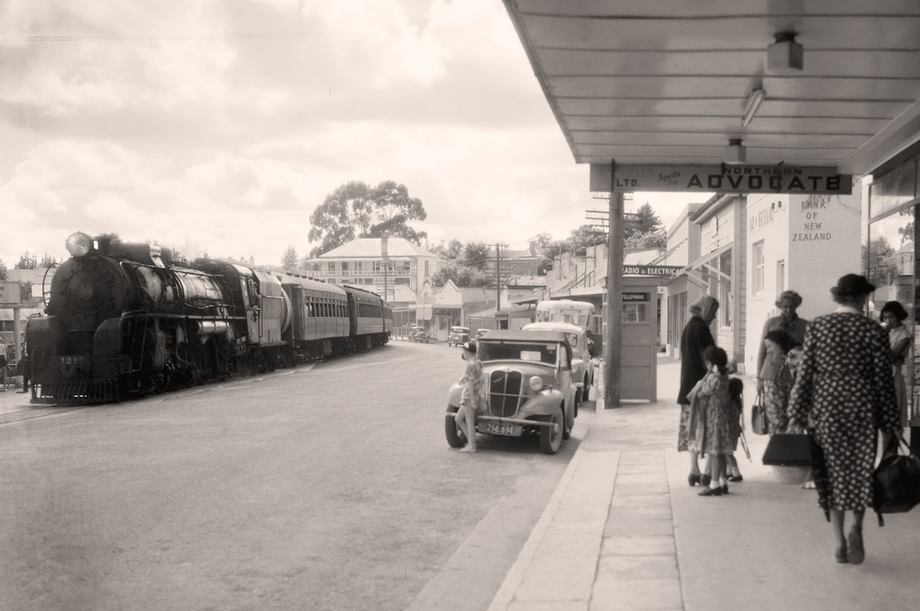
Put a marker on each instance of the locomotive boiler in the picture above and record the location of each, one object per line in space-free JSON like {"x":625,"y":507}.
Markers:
{"x":124,"y":320}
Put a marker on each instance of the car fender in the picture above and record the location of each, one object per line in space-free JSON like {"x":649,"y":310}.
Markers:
{"x":544,"y":404}
{"x":453,"y":395}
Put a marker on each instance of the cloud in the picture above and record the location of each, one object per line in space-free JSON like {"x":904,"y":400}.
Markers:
{"x":219,"y":126}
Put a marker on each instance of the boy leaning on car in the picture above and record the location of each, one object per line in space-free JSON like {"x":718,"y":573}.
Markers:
{"x":469,"y":396}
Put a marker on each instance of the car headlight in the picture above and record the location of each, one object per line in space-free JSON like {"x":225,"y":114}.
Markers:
{"x":535,"y":383}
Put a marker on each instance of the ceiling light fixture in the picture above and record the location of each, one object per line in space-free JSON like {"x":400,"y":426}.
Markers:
{"x":785,"y":55}
{"x":735,"y":152}
{"x":751,"y":105}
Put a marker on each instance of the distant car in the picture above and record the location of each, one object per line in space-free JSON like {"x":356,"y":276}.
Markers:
{"x":582,"y":369}
{"x":527,"y":387}
{"x":418,"y":333}
{"x":458,"y":336}
{"x":481,"y":332}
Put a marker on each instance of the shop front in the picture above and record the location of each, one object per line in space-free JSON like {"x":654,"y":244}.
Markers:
{"x":890,"y":259}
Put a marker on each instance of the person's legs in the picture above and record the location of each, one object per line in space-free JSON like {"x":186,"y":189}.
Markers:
{"x":857,"y":551}
{"x":694,"y":463}
{"x":466,"y":422}
{"x":714,"y":464}
{"x":733,"y":471}
{"x":837,"y":519}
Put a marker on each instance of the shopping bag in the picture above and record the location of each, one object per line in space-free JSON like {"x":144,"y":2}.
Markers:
{"x":896,"y":481}
{"x":759,"y":416}
{"x":788,"y":450}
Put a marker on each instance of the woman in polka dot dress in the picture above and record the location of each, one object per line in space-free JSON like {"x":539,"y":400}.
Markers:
{"x":844,"y":393}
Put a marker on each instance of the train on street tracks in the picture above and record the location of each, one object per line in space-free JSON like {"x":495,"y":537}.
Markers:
{"x":122,"y":320}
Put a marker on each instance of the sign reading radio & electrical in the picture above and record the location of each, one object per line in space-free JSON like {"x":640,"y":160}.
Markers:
{"x":651,"y":270}
{"x":10,"y":295}
{"x":723,"y":178}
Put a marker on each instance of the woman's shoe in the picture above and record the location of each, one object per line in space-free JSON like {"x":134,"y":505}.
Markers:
{"x":693,"y":479}
{"x":841,"y":555}
{"x":735,"y":478}
{"x":857,"y":552}
{"x":710,"y":492}
{"x":705,"y":479}
{"x":724,"y":489}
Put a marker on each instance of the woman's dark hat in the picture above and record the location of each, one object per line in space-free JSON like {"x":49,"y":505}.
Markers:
{"x":852,"y":285}
{"x":470,"y":347}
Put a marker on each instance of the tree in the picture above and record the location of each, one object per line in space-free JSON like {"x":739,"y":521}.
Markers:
{"x":3,"y":271}
{"x":476,"y":255}
{"x":356,"y":210}
{"x":289,"y":260}
{"x":584,"y":236}
{"x":47,"y":261}
{"x":26,"y":261}
{"x":539,"y":243}
{"x":883,"y":267}
{"x":643,"y":229}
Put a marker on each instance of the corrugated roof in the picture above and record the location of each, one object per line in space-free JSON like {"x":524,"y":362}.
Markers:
{"x":370,"y":248}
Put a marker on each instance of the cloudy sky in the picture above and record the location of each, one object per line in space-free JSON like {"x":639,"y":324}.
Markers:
{"x":219,"y":125}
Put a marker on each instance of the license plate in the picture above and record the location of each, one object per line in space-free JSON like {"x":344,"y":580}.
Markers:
{"x":499,"y":428}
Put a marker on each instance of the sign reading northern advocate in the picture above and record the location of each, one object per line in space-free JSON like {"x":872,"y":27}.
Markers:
{"x":722,"y":178}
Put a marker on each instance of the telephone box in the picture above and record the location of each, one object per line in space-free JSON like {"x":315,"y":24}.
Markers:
{"x":639,"y":348}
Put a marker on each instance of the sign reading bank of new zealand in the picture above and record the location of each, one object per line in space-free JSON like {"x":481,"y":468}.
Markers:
{"x":722,"y":178}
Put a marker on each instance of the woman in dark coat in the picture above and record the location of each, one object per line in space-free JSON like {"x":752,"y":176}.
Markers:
{"x":844,"y":394}
{"x":694,"y":340}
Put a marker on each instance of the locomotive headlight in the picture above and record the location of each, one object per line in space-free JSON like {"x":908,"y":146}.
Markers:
{"x":79,"y":244}
{"x":535,"y":383}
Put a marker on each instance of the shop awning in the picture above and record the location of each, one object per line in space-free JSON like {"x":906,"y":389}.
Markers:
{"x":673,"y":82}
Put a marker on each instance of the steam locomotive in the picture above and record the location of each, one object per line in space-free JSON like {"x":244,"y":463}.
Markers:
{"x":123,"y":320}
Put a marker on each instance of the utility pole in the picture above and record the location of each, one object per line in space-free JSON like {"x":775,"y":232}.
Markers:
{"x":614,"y":337}
{"x":384,"y":238}
{"x":498,"y":284}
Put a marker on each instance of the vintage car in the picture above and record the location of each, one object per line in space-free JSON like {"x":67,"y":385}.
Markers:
{"x":582,"y":368}
{"x":481,"y":332}
{"x":458,"y":336}
{"x":418,"y":333}
{"x":527,"y":389}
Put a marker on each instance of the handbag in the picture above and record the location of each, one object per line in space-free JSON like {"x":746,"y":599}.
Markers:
{"x":788,"y":450}
{"x":759,"y":416}
{"x":896,"y":481}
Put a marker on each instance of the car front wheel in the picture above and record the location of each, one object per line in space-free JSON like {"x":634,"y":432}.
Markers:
{"x":455,"y":437}
{"x":551,"y":436}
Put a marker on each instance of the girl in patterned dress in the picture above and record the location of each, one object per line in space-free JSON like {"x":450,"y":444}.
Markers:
{"x":469,"y":396}
{"x":844,"y":394}
{"x":776,"y":380}
{"x":709,"y":420}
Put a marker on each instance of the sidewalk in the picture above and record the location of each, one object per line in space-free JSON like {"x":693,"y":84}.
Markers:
{"x":623,"y":530}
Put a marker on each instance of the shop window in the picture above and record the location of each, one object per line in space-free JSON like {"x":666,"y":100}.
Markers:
{"x":330,"y":267}
{"x":757,"y":265}
{"x":726,"y":298}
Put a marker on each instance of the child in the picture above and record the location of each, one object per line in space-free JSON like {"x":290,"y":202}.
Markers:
{"x":709,"y":419}
{"x":736,"y":415}
{"x":470,"y":395}
{"x":777,"y":380}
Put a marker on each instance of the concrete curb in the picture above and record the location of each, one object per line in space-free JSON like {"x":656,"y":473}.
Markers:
{"x":516,"y":573}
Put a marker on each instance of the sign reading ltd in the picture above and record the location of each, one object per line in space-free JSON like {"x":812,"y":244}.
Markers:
{"x":722,"y":178}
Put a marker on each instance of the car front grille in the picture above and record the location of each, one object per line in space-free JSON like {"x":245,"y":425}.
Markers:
{"x":504,"y":393}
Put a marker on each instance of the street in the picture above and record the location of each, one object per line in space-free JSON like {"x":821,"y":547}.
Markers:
{"x":325,"y":487}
